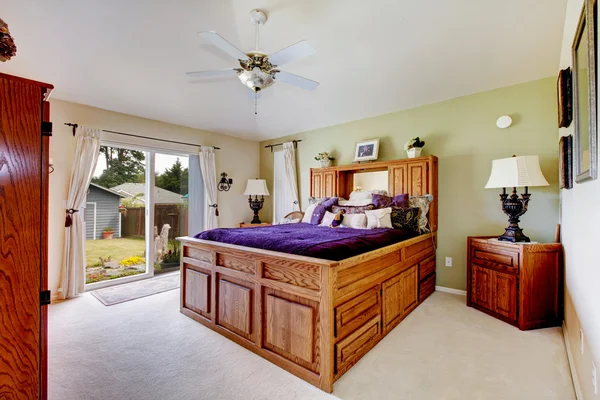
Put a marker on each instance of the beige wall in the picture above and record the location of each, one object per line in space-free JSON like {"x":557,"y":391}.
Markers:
{"x":237,"y":157}
{"x":462,"y":132}
{"x":580,"y":219}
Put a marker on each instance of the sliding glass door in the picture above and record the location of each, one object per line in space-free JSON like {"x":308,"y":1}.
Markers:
{"x":139,"y":202}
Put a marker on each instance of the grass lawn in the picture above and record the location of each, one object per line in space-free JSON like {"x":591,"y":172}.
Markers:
{"x":118,"y":249}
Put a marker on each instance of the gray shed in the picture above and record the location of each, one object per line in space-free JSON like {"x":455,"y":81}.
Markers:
{"x":102,"y":211}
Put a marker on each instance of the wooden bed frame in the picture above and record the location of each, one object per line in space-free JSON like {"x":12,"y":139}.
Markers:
{"x":315,"y":318}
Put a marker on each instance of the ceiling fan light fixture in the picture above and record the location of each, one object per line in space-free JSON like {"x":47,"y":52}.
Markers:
{"x":256,"y":79}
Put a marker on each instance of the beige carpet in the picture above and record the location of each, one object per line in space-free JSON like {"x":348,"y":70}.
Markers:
{"x":146,"y":349}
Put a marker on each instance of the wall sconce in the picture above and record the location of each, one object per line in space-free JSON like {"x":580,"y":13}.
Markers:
{"x":224,"y":184}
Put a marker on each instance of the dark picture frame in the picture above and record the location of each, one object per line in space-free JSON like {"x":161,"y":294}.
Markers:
{"x":585,"y":146}
{"x":566,"y":162}
{"x":564,"y":92}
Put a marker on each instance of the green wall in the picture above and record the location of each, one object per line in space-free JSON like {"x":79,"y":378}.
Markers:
{"x":462,"y":133}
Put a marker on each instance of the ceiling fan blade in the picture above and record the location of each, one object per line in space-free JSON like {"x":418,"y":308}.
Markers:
{"x":296,"y":80}
{"x":218,"y":41}
{"x":218,"y":72}
{"x":292,"y":53}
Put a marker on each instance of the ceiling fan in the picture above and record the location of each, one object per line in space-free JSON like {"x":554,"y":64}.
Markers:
{"x":257,"y":70}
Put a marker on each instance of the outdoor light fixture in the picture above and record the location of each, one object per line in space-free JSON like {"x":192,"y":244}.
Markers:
{"x":224,"y":183}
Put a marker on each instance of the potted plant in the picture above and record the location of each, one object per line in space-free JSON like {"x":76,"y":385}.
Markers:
{"x":325,"y":159}
{"x":108,"y":232}
{"x":173,"y":255}
{"x":413,"y":147}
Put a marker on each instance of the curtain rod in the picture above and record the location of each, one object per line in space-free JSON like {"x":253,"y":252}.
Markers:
{"x":281,"y":144}
{"x":75,"y":126}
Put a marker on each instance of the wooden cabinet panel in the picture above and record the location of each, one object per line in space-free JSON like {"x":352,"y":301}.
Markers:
{"x":481,"y":286}
{"x":410,"y":290}
{"x":235,"y":308}
{"x":427,"y":287}
{"x":504,"y":293}
{"x":397,"y":179}
{"x":353,"y":313}
{"x":353,"y":347}
{"x":317,"y":184}
{"x":290,"y":327}
{"x":417,"y":176}
{"x":329,"y":184}
{"x":197,"y":291}
{"x":400,"y":296}
{"x":426,"y":267}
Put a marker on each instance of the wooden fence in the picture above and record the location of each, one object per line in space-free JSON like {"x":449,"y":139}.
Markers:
{"x":133,"y":222}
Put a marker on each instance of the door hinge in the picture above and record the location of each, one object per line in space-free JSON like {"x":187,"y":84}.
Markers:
{"x":45,"y":297}
{"x":46,"y":128}
{"x":381,"y":292}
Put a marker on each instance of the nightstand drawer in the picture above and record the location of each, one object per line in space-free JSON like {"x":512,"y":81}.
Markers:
{"x":490,"y":256}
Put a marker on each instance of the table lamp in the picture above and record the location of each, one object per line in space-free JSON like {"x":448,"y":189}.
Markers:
{"x":256,"y":187}
{"x":515,"y":172}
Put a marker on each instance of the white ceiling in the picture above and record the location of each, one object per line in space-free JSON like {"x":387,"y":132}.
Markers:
{"x":373,"y":57}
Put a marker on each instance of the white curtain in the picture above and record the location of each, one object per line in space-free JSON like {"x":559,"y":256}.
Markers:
{"x":289,"y":154}
{"x":87,"y":150}
{"x":285,"y":186}
{"x":209,"y":175}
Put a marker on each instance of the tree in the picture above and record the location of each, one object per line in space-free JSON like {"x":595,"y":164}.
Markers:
{"x":122,"y":166}
{"x":174,"y":179}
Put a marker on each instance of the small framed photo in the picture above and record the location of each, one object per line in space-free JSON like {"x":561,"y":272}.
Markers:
{"x":565,"y":98}
{"x":367,"y":150}
{"x":566,"y":162}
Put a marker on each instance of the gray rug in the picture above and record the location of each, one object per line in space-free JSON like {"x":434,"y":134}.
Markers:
{"x":136,"y":290}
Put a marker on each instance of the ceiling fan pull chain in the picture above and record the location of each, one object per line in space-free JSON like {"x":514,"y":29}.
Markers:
{"x":255,"y":103}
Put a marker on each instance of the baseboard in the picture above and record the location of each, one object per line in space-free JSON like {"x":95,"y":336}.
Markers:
{"x":578,"y":393}
{"x":450,"y":290}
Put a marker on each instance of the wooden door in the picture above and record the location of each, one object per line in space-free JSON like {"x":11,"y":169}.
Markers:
{"x":400,"y":294}
{"x":21,"y":247}
{"x":417,"y":178}
{"x":397,"y":179}
{"x":329,"y":184}
{"x":481,"y":286}
{"x":504,"y":294}
{"x":316,"y":189}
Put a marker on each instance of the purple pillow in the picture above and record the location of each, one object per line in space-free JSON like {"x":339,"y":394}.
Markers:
{"x":381,"y":201}
{"x":320,"y":210}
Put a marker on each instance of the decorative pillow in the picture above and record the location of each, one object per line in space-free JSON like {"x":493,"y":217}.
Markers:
{"x":360,"y":195}
{"x":315,"y":200}
{"x":406,"y":218}
{"x":381,"y":201}
{"x":320,"y":209}
{"x":352,"y":209}
{"x":328,"y":218}
{"x":284,"y":221}
{"x":356,"y":221}
{"x":308,"y":213}
{"x":337,"y":221}
{"x":361,"y":202}
{"x":381,"y":218}
{"x":423,"y":203}
{"x":379,"y":191}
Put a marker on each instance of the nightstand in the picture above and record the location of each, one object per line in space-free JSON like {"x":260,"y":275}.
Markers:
{"x":517,"y":283}
{"x":249,"y":225}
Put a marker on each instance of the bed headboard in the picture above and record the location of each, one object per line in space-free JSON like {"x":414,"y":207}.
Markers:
{"x":415,"y":176}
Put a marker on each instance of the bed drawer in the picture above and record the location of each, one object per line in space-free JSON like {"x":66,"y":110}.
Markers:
{"x":355,"y":312}
{"x":426,"y":287}
{"x":426,"y":267}
{"x":352,"y":348}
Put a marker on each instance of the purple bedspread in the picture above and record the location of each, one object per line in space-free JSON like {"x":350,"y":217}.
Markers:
{"x":309,"y":240}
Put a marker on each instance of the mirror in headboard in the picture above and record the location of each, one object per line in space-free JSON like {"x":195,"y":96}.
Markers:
{"x":370,"y":180}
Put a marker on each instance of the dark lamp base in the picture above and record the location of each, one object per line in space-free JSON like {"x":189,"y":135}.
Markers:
{"x":514,"y":207}
{"x":514,"y":235}
{"x":256,"y":204}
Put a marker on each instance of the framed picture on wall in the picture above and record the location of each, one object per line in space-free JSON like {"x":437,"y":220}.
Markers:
{"x":585,"y":146}
{"x":565,"y":98}
{"x":566,"y":162}
{"x":367,"y":150}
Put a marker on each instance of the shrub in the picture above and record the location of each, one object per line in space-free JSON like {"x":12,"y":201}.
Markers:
{"x":131,"y":261}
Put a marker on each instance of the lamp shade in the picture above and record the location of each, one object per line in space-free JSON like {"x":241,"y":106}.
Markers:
{"x":256,"y":187}
{"x":516,"y":172}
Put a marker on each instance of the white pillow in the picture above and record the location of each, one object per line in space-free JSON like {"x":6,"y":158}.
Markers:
{"x":284,"y":221}
{"x":361,"y":202}
{"x":308,"y":213}
{"x":358,"y":195}
{"x":380,"y":218}
{"x":327,"y":219}
{"x":356,"y":221}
